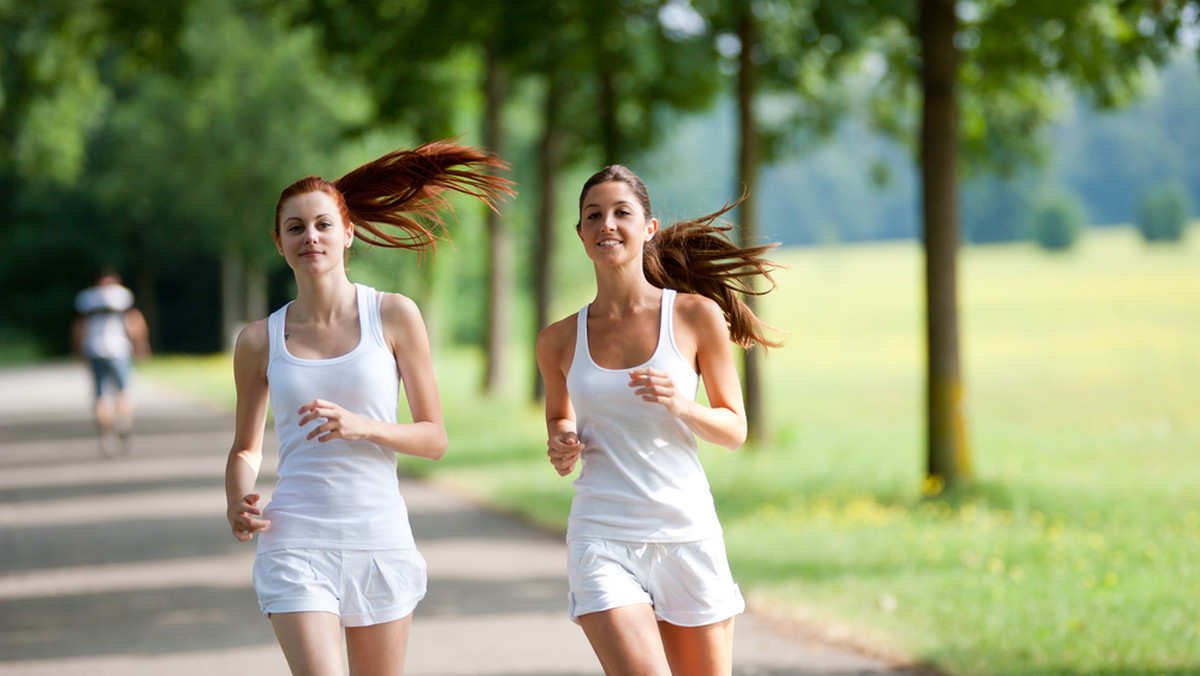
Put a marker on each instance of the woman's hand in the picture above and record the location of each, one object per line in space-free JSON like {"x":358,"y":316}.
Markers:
{"x":657,"y":387}
{"x":243,"y":518}
{"x":564,"y":450}
{"x":339,"y":423}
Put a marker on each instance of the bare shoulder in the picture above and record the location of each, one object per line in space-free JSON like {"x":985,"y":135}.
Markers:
{"x":556,"y":337}
{"x":559,"y":333}
{"x":253,"y":338}
{"x":253,"y":347}
{"x":400,"y":315}
{"x":701,"y":314}
{"x":397,"y":307}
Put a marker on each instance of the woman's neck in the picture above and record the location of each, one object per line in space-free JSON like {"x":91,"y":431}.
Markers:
{"x":620,"y":292}
{"x":322,"y":299}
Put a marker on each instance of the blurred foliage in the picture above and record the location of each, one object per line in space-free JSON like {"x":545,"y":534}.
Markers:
{"x":1165,"y":211}
{"x":155,"y":136}
{"x":1057,"y":220}
{"x":1018,"y":60}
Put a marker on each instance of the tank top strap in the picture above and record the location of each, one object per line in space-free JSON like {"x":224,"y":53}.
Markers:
{"x":581,"y":337}
{"x":370,"y":319}
{"x":666,"y":321}
{"x":275,"y":329}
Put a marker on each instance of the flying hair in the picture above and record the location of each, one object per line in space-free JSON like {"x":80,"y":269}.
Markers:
{"x":397,"y":201}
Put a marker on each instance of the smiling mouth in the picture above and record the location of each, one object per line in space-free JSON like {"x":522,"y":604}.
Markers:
{"x":606,"y":243}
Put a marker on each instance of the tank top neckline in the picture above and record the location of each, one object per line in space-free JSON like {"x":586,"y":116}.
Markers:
{"x":363,"y":326}
{"x":664,"y":335}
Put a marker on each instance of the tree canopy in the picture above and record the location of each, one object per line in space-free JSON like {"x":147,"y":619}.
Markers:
{"x":156,"y":136}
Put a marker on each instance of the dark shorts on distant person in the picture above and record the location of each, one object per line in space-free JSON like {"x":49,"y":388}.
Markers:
{"x":109,"y":374}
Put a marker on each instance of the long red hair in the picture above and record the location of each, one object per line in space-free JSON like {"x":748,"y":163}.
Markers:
{"x":396,"y":201}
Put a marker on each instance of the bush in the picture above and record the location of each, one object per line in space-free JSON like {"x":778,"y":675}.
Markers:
{"x":1164,"y":212}
{"x":1057,"y":220}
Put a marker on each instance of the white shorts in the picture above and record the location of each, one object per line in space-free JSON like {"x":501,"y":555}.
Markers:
{"x":360,"y":587}
{"x":687,"y":583}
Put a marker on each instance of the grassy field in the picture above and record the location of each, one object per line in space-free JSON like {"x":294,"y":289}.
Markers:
{"x":1076,"y":550}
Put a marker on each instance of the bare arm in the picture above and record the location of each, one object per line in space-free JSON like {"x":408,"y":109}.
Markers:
{"x":723,"y":421}
{"x":77,"y":327}
{"x":139,"y":333}
{"x":425,"y":436}
{"x":563,"y":444}
{"x":245,"y":457}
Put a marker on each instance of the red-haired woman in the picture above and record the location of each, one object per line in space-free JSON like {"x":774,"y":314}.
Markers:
{"x":649,"y":579}
{"x":335,"y":548}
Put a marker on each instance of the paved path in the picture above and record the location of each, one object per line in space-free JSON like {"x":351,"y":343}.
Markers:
{"x":125,"y":566}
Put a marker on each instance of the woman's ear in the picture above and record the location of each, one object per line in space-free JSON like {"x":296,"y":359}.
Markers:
{"x":651,"y":228}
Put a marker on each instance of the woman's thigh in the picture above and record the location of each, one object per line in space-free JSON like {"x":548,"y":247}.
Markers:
{"x":626,"y":640}
{"x":378,"y":648}
{"x":707,"y":649}
{"x":311,"y":642}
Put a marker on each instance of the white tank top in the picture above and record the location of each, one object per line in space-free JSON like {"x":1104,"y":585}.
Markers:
{"x":104,"y":332}
{"x":338,"y":494}
{"x":640,"y":478}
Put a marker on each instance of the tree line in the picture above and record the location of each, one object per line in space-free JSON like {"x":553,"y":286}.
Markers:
{"x":155,"y":136}
{"x":858,"y":185}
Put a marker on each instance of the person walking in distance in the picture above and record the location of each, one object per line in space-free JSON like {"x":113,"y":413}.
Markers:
{"x":335,"y":550}
{"x":649,"y":580}
{"x":108,"y":334}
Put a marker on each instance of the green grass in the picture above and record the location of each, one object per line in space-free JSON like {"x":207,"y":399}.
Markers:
{"x":1076,"y":550}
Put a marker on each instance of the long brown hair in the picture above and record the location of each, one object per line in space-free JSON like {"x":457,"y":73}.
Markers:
{"x":395,"y":201}
{"x":698,"y":256}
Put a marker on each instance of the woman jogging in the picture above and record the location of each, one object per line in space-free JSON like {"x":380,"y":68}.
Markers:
{"x":335,"y":548}
{"x":649,"y":579}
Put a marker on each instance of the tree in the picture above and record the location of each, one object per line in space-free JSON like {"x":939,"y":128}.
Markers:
{"x":1164,"y":213}
{"x":948,"y":457}
{"x":1010,"y":56}
{"x":245,"y":113}
{"x":788,"y":59}
{"x":62,"y":64}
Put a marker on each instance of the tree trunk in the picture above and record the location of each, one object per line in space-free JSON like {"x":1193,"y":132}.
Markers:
{"x":549,"y":159}
{"x":145,"y":286}
{"x":257,"y":303}
{"x":429,"y":277}
{"x":610,"y":134}
{"x":748,"y":162}
{"x":429,"y":298}
{"x":499,"y":247}
{"x":232,"y":296}
{"x":948,"y":457}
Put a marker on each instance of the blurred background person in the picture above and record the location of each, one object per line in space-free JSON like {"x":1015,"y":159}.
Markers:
{"x":108,"y":334}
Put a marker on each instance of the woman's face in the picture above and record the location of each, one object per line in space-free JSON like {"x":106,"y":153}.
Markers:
{"x":612,"y":224}
{"x":312,"y":235}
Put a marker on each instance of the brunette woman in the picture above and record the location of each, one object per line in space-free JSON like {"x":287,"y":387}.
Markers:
{"x":335,"y":549}
{"x":649,"y":579}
